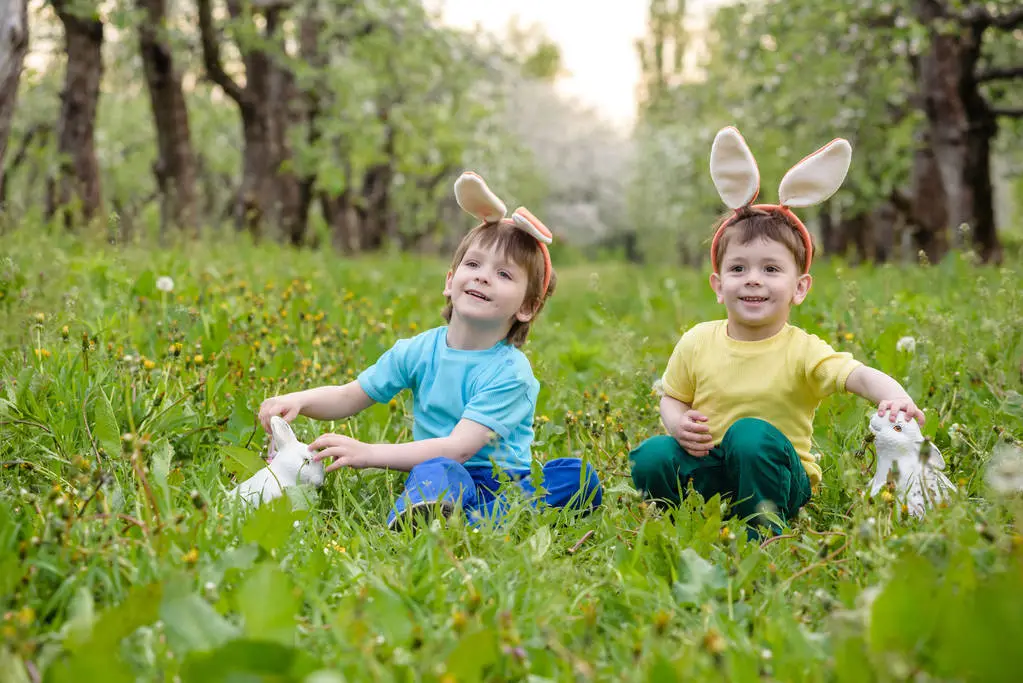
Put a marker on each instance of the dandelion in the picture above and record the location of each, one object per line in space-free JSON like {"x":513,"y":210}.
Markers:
{"x":906,"y":345}
{"x":849,"y":336}
{"x":1005,"y":469}
{"x":165,"y":284}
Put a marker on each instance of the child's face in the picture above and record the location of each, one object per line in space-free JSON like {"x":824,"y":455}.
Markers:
{"x":759,"y":282}
{"x":488,"y":287}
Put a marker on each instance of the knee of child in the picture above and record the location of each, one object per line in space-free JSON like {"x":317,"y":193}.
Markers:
{"x":753,"y":441}
{"x":650,"y":460}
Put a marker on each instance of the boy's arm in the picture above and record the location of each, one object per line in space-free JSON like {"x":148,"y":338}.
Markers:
{"x":465,"y":440}
{"x":879,"y":388}
{"x":322,"y":403}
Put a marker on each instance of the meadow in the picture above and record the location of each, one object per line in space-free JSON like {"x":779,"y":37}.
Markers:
{"x":127,"y":412}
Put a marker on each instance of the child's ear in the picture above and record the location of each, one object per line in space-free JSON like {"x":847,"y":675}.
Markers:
{"x":715,"y":284}
{"x":802,"y":288}
{"x":447,"y":284}
{"x":527,"y":311}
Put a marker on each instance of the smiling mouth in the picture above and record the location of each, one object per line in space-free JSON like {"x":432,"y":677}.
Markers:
{"x":753,"y":299}
{"x":477,"y":295}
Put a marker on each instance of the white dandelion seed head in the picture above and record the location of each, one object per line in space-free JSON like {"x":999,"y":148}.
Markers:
{"x":164,"y":283}
{"x":906,"y":345}
{"x":1005,"y":469}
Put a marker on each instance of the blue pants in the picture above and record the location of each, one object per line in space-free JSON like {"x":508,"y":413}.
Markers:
{"x":567,"y":482}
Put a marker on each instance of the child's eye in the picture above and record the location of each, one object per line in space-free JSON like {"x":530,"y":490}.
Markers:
{"x":505,"y":274}
{"x":773,"y":269}
{"x":736,"y":269}
{"x":471,"y":264}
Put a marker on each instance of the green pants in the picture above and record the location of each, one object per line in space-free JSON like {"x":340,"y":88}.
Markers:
{"x":755,"y":465}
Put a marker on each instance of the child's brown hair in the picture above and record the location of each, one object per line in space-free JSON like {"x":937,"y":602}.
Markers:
{"x":524,"y":250}
{"x":751,"y":224}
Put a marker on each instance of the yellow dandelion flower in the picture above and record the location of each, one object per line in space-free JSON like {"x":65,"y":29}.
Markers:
{"x":197,"y":359}
{"x":849,"y":336}
{"x":191,"y":557}
{"x":148,"y":364}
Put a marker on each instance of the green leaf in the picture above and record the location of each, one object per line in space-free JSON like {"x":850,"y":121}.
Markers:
{"x":105,"y":429}
{"x":473,"y":654}
{"x":903,"y":617}
{"x":190,"y":622}
{"x":390,"y":615}
{"x":81,"y":615}
{"x":270,"y":525}
{"x":163,"y":453}
{"x":698,"y":579}
{"x":540,"y":543}
{"x":268,"y":605}
{"x":242,"y":462}
{"x":12,"y":669}
{"x":248,"y":660}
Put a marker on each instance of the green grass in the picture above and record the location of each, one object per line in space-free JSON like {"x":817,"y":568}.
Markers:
{"x":127,"y":413}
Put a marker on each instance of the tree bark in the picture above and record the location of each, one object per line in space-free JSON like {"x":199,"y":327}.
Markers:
{"x":929,"y":204}
{"x":77,"y":175}
{"x":175,"y":168}
{"x":13,"y":46}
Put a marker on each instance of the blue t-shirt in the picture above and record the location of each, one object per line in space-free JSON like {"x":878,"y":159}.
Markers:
{"x":494,"y":387}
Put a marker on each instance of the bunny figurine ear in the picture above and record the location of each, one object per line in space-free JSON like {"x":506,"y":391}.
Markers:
{"x":476,"y":198}
{"x":734,"y":169}
{"x":816,"y":177}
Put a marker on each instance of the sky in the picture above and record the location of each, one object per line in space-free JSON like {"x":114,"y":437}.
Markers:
{"x":596,"y":40}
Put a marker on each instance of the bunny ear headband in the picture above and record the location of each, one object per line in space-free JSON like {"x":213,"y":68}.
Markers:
{"x":476,"y":198}
{"x":810,"y":182}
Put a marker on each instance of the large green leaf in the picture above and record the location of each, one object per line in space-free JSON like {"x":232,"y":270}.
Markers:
{"x":268,"y":605}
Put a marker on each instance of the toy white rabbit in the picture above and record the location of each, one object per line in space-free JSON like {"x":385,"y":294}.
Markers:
{"x":292,"y":465}
{"x":919,"y":481}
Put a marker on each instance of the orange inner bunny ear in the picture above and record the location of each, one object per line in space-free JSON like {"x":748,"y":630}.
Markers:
{"x":475,"y":198}
{"x":733,"y":169}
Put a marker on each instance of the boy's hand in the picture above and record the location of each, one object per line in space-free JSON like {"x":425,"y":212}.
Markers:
{"x":286,"y":406}
{"x":894,"y":406}
{"x":693,"y":435}
{"x":346,"y":451}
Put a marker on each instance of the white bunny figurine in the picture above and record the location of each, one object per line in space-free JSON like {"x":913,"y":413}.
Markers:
{"x":292,"y":465}
{"x":919,"y":483}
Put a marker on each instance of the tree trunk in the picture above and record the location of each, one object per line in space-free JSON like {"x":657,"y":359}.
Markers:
{"x":374,"y":212}
{"x":857,"y":230}
{"x":175,"y":168}
{"x":13,"y":46}
{"x":929,"y":204}
{"x":77,"y":175}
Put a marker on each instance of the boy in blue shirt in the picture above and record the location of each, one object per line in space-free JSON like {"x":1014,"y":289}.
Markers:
{"x":474,"y":393}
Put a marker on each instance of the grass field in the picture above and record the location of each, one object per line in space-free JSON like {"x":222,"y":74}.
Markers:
{"x":127,"y":412}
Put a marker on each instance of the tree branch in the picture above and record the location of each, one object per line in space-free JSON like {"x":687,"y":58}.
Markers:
{"x":1008,"y":113}
{"x":981,"y":17}
{"x":211,"y":55}
{"x":1000,"y":74}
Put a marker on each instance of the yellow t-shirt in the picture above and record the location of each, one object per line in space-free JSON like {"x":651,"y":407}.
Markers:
{"x":781,"y":379}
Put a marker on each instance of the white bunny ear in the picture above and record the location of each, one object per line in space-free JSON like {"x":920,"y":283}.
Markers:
{"x":734,"y":169}
{"x":476,"y":198}
{"x":935,"y":460}
{"x":282,"y":433}
{"x":816,"y":177}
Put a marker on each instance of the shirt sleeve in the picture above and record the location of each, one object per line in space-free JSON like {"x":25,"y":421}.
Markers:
{"x":390,"y":374}
{"x":827,"y":369}
{"x":503,"y":404}
{"x":677,"y":380}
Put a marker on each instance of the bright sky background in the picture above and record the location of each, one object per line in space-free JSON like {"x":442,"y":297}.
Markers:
{"x":596,"y":38}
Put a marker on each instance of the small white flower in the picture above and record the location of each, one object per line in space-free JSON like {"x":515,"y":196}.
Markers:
{"x":906,"y":345}
{"x":165,"y":284}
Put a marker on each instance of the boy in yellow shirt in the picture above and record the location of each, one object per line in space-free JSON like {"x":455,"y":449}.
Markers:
{"x":740,"y":394}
